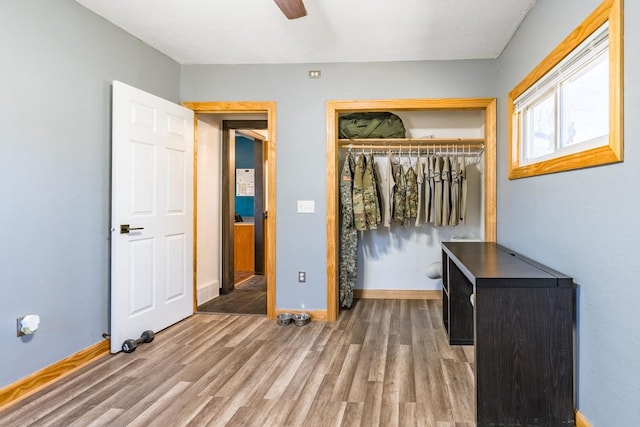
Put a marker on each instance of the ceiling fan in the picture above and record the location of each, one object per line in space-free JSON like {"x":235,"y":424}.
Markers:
{"x":292,"y":9}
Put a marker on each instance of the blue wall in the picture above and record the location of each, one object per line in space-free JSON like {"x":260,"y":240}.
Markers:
{"x":58,"y":61}
{"x":244,"y":160}
{"x":583,"y":223}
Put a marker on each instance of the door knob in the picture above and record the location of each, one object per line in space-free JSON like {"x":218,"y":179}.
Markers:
{"x":125,"y":229}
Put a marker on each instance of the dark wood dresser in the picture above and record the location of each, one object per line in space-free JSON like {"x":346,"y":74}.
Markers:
{"x":520,"y":315}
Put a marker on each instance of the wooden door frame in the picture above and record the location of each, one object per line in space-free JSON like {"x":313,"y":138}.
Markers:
{"x":244,"y":107}
{"x":334,"y":108}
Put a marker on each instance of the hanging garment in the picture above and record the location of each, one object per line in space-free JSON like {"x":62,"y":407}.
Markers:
{"x":463,"y":189}
{"x":454,"y":218}
{"x":437,"y":198}
{"x":420,"y":217}
{"x":430,"y":211}
{"x":399,"y":194}
{"x":348,"y":269}
{"x":370,"y":196}
{"x":411,"y":198}
{"x":446,"y":191}
{"x":359,"y":215}
{"x":377,"y":187}
{"x":387,"y":185}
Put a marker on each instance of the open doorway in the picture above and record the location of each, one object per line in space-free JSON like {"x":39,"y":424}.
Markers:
{"x":243,"y":285}
{"x":215,"y":223}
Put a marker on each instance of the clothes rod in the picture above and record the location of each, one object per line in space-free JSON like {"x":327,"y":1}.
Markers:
{"x":412,"y":141}
{"x":422,"y":153}
{"x":422,"y":148}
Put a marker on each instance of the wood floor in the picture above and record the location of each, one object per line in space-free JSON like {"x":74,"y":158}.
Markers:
{"x":241,"y":276}
{"x":384,"y":362}
{"x":248,"y":297}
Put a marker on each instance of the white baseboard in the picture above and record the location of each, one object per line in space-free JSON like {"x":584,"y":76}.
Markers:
{"x":208,"y":292}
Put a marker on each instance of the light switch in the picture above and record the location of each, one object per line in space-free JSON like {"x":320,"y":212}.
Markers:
{"x":306,"y":206}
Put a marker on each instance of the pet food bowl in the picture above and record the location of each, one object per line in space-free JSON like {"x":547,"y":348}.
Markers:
{"x":284,"y":318}
{"x":301,"y":319}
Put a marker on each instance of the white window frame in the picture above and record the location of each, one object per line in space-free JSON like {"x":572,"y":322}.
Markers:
{"x":599,"y":34}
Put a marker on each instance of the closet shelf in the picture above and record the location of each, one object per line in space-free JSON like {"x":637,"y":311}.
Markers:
{"x":413,"y":141}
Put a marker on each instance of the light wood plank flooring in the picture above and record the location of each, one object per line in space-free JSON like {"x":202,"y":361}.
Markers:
{"x":384,"y":362}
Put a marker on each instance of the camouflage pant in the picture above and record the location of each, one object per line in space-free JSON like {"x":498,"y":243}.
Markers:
{"x":348,"y":270}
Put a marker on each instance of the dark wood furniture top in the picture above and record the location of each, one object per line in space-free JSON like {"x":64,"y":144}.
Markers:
{"x":489,"y":264}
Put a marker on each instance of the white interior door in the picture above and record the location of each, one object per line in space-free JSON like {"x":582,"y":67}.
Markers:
{"x":152,"y":193}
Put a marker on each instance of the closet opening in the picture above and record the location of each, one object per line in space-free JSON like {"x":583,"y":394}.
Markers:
{"x":394,"y":257}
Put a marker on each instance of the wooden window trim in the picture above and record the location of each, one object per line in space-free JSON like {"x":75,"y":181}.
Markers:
{"x":611,"y":11}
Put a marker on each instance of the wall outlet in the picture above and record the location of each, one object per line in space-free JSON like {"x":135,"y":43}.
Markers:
{"x":302,"y":276}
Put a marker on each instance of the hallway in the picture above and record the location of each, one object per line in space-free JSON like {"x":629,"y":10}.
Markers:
{"x":248,"y":297}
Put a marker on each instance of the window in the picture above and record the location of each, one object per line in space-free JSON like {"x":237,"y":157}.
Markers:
{"x":567,"y":113}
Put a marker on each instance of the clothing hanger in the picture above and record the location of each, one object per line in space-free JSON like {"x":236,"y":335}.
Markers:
{"x":477,"y":162}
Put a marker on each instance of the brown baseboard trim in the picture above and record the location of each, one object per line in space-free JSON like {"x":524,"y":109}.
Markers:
{"x":315,"y":314}
{"x":38,"y":380}
{"x":581,"y":421}
{"x":396,"y":294}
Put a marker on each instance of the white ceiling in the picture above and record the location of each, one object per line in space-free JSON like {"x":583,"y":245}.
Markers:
{"x":256,"y":32}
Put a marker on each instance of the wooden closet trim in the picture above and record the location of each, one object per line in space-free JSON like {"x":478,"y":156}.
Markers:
{"x":334,"y":108}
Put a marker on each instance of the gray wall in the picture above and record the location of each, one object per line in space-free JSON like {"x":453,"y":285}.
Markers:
{"x":583,"y":223}
{"x":58,"y":60}
{"x":302,"y":135}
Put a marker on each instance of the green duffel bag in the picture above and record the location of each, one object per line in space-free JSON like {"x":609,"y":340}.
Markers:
{"x":371,"y":125}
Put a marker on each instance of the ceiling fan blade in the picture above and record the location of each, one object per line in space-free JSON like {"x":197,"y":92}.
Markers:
{"x":292,"y":9}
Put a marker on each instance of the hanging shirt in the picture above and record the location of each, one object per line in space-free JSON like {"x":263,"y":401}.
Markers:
{"x":346,"y":192}
{"x":446,"y":191}
{"x":411,"y":197}
{"x":454,"y":218}
{"x":399,"y":194}
{"x":370,"y":195}
{"x":437,"y":198}
{"x":463,"y":191}
{"x":420,"y":217}
{"x":430,"y":210}
{"x":376,"y":188}
{"x":358,"y":195}
{"x":386,"y":181}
